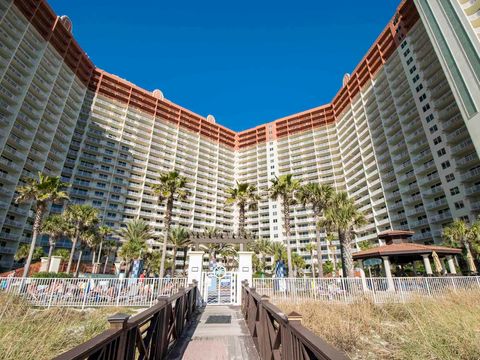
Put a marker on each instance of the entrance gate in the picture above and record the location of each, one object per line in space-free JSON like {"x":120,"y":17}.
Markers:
{"x":219,"y":287}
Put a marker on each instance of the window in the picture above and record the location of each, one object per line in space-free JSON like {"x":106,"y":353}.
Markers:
{"x":111,"y":215}
{"x":108,"y":151}
{"x":409,"y":61}
{"x":419,"y":87}
{"x":454,"y":191}
{"x":426,"y":107}
{"x":429,"y":118}
{"x":433,"y":129}
{"x":97,"y":203}
{"x":101,"y":185}
{"x":416,"y":78}
{"x":103,"y":176}
{"x":126,"y":148}
{"x":412,"y":69}
{"x":115,"y":197}
{"x":459,"y":205}
{"x":422,"y":97}
{"x":406,"y":52}
{"x":272,"y":166}
{"x":450,"y":177}
{"x":437,"y":140}
{"x":441,"y":152}
{"x":275,"y":220}
{"x":404,"y":44}
{"x":445,"y":165}
{"x":107,"y":160}
{"x":99,"y":193}
{"x":105,"y":167}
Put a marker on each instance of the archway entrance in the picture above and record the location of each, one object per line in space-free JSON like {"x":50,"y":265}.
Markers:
{"x":217,"y":285}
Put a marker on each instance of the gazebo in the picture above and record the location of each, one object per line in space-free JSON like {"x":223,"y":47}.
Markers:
{"x":399,"y":249}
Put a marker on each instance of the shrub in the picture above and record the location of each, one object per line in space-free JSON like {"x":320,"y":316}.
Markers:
{"x":51,"y":275}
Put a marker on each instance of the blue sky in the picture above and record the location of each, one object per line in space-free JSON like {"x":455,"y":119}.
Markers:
{"x":245,"y":62}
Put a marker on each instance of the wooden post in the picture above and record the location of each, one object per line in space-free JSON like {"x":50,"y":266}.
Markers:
{"x":164,"y":320}
{"x":119,"y":322}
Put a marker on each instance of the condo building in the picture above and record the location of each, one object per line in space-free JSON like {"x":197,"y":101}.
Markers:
{"x":401,"y":136}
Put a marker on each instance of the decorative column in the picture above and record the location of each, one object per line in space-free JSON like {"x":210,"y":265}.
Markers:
{"x":451,"y":265}
{"x":195,"y":266}
{"x":245,"y":272}
{"x":428,"y":266}
{"x":388,"y":272}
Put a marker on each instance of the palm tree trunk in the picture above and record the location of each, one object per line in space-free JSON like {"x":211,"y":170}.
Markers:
{"x":286,"y":215}
{"x":168,"y":218}
{"x":50,"y":252}
{"x":342,"y":239}
{"x":36,"y":230}
{"x":242,"y":223}
{"x":185,"y":249}
{"x":347,"y":259}
{"x":79,"y":262}
{"x":313,"y":265}
{"x":72,"y":251}
{"x":470,"y":262}
{"x":174,"y":266}
{"x":105,"y":266}
{"x":319,"y":254}
{"x":100,"y":251}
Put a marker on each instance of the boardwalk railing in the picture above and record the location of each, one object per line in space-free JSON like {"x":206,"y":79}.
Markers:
{"x":378,"y":290}
{"x":149,"y":335}
{"x":278,"y":336}
{"x":85,"y":292}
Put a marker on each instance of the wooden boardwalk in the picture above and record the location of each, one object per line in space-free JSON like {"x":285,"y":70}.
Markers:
{"x":219,"y":334}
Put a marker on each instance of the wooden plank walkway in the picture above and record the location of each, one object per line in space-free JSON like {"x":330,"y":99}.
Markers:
{"x":219,"y":334}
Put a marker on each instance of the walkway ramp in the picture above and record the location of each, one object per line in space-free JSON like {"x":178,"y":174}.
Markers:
{"x":219,"y":334}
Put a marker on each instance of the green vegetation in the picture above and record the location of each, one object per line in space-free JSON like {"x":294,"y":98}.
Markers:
{"x":458,"y":234}
{"x":171,"y":188}
{"x":426,"y":328}
{"x":28,"y":333}
{"x":42,"y":191}
{"x":51,"y":275}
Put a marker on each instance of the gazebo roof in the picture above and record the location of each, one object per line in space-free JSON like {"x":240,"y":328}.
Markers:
{"x":406,"y":249}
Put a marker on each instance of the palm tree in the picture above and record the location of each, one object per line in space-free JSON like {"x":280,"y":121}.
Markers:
{"x":171,"y":187}
{"x":319,"y":196}
{"x":343,"y":217}
{"x":279,"y":251}
{"x":81,"y":219}
{"x":458,"y":234}
{"x":298,"y":262}
{"x":228,"y":253}
{"x":55,"y":227}
{"x":246,"y":197}
{"x":311,"y":249}
{"x":104,"y":231}
{"x":211,"y":248}
{"x":43,"y":191}
{"x":263,"y":248}
{"x":285,"y":188}
{"x":180,"y":239}
{"x":109,"y":246}
{"x":134,"y":236}
{"x":333,"y":250}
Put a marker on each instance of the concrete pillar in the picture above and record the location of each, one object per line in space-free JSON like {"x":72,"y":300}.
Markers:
{"x":245,"y":272}
{"x":388,"y":272}
{"x":54,"y":264}
{"x":195,"y":266}
{"x":428,"y":266}
{"x":451,"y":265}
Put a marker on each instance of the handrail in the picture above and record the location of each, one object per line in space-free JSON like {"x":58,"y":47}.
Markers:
{"x":280,"y":336}
{"x":149,"y":335}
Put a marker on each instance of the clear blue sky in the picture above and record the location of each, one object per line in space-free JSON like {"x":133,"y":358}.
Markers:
{"x":246,"y":62}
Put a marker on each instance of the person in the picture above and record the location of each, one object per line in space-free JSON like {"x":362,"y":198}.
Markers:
{"x":143,"y":275}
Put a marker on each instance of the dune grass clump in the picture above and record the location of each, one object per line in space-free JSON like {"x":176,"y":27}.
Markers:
{"x":446,"y":328}
{"x":36,"y":333}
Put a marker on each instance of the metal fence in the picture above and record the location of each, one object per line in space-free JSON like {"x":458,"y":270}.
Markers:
{"x":378,"y":290}
{"x":87,"y":292}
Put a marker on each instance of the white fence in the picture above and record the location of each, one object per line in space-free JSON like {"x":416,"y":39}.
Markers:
{"x":348,"y":290}
{"x":94,"y":292}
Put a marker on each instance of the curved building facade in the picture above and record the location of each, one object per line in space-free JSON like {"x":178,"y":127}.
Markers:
{"x":401,"y":136}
